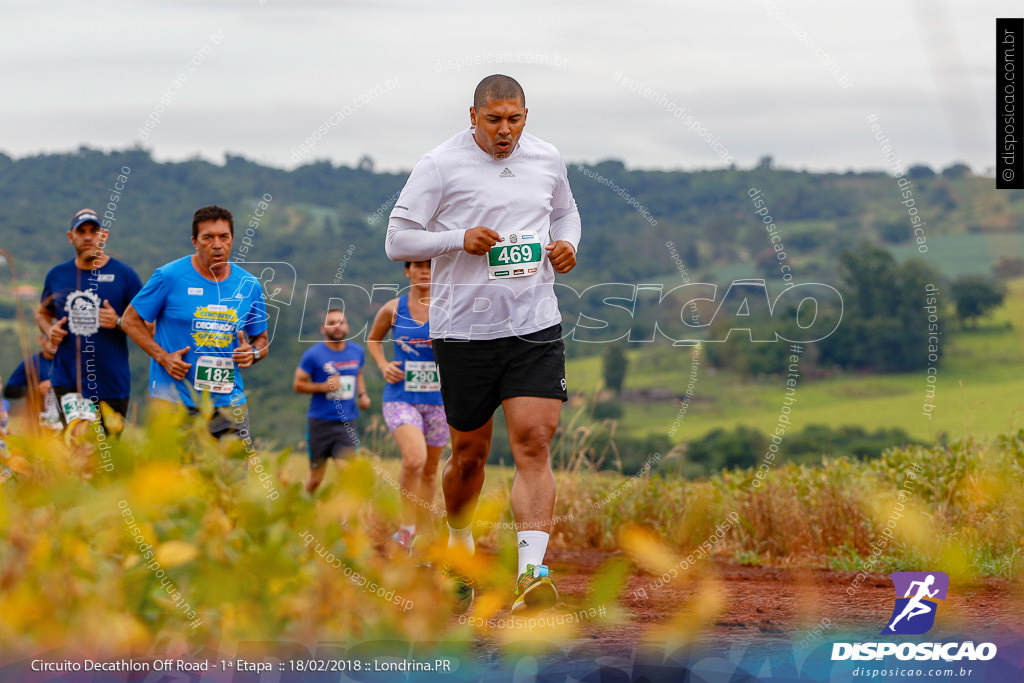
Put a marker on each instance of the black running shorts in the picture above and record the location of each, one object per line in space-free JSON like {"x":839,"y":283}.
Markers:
{"x":329,"y":439}
{"x":227,"y":420}
{"x":477,"y":375}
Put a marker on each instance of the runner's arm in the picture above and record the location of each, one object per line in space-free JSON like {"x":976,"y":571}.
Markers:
{"x":565,"y":237}
{"x":407,"y":240}
{"x":141,"y":332}
{"x":44,"y":319}
{"x":244,"y":356}
{"x":304,"y":384}
{"x":362,"y":398}
{"x":262,"y":344}
{"x":566,"y":226}
{"x":50,"y":326}
{"x":382,"y":323}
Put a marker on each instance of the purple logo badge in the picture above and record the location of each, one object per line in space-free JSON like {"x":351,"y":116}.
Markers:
{"x":917,"y":596}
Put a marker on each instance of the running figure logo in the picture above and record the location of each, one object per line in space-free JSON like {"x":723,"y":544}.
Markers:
{"x":914,"y":613}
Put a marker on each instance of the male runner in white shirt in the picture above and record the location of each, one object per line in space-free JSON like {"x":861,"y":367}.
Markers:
{"x":492,"y":208}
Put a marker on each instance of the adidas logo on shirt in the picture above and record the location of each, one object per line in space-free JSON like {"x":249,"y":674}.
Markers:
{"x":506,"y":173}
{"x":522,"y":543}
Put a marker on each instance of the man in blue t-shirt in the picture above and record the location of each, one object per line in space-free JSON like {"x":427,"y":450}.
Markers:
{"x":81,"y":313}
{"x":332,"y":371}
{"x":204,"y":307}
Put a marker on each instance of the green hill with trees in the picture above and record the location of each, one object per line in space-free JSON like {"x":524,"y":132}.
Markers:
{"x":321,"y":236}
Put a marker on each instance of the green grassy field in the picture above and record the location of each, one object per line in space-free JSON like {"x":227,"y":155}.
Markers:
{"x":978,"y":388}
{"x":952,"y":255}
{"x":965,"y":254}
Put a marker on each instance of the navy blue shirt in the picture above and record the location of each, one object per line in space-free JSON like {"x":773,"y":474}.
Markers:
{"x":17,"y":383}
{"x":90,"y":359}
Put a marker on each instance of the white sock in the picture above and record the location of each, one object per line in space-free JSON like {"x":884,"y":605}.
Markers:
{"x":461,"y":537}
{"x":411,"y":528}
{"x":532,"y":546}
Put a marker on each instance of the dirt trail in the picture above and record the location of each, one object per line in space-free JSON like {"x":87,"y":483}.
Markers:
{"x":764,"y":604}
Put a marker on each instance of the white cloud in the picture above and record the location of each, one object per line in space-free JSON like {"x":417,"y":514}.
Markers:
{"x":90,"y":75}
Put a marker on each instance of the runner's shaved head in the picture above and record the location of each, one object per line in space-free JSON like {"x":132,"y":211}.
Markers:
{"x":498,"y":87}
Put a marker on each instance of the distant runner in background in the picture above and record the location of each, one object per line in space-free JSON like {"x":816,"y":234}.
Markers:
{"x":210,"y":320}
{"x":332,"y":371}
{"x":36,"y":389}
{"x":5,"y":414}
{"x":412,"y":404}
{"x":5,"y":406}
{"x":81,"y":313}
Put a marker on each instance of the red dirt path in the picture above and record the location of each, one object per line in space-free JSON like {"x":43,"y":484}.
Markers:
{"x":765,"y":603}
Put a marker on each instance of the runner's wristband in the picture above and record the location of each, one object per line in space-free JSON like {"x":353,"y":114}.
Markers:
{"x":255,"y":354}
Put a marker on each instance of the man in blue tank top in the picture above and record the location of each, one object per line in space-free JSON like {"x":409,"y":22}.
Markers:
{"x":332,"y":372}
{"x":412,"y":405}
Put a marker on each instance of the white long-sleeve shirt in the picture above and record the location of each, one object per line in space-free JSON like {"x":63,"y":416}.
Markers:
{"x":457,"y":186}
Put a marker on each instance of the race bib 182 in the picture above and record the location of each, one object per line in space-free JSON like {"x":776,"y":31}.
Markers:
{"x":215,"y":374}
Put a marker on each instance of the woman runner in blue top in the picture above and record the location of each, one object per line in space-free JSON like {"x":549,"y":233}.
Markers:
{"x":412,"y":405}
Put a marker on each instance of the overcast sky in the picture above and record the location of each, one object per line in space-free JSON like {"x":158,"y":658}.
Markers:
{"x":391,"y":79}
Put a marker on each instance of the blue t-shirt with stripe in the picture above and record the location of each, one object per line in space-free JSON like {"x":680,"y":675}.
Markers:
{"x":320,"y":362}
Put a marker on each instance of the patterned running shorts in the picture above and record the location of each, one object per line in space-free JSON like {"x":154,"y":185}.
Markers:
{"x":427,"y":418}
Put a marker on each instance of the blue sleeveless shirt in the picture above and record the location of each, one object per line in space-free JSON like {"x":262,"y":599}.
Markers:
{"x":412,"y":345}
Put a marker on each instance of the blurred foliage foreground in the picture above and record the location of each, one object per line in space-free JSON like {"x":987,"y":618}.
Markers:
{"x":165,"y":535}
{"x":109,"y":560}
{"x":165,"y":538}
